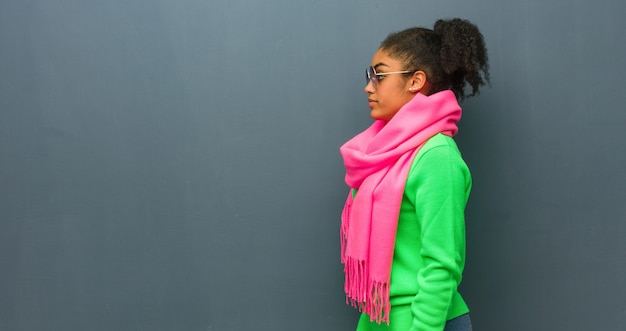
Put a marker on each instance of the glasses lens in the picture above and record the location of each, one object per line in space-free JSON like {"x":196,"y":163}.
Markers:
{"x":370,"y":76}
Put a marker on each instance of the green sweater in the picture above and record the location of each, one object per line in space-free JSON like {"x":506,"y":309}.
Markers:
{"x":429,"y":254}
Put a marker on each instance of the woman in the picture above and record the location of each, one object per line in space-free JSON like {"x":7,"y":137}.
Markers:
{"x":403,"y":232}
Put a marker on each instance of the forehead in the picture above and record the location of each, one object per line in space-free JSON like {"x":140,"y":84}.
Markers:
{"x":381,"y":59}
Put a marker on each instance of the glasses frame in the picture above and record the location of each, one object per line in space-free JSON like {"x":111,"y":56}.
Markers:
{"x":375,"y":77}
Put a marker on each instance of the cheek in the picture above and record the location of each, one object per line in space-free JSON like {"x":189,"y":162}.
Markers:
{"x":386,"y":108}
{"x":394,"y":100}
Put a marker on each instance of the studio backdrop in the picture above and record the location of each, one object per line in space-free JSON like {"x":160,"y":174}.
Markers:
{"x":174,"y":165}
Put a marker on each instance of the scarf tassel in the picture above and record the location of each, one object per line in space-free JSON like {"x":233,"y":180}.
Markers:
{"x":343,"y":234}
{"x":369,"y":296}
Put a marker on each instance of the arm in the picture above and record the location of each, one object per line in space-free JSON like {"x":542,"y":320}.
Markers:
{"x":442,"y":183}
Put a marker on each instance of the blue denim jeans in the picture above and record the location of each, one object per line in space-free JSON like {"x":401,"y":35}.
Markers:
{"x":461,"y":323}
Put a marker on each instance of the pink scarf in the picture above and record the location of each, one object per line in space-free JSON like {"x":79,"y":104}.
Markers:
{"x":377,"y":163}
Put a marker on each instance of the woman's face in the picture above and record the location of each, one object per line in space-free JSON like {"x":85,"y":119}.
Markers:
{"x":391,"y":92}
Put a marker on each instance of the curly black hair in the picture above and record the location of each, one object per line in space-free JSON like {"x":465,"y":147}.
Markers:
{"x":450,"y":54}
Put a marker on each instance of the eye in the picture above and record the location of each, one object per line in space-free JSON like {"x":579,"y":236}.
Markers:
{"x":380,"y":77}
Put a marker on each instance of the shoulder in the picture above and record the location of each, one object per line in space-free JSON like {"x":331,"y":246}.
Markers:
{"x":439,"y":149}
{"x":438,"y":168}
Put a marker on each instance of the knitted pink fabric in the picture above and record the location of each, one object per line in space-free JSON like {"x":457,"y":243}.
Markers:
{"x":377,"y":163}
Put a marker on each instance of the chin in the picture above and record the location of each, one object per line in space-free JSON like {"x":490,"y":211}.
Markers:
{"x":376,"y":116}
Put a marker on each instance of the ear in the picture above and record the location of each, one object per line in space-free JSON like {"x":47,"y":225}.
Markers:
{"x":418,"y":82}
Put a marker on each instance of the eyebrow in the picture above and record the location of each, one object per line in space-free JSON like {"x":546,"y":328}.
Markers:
{"x":380,"y":64}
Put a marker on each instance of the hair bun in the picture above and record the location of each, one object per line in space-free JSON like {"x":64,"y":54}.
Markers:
{"x":463,"y":54}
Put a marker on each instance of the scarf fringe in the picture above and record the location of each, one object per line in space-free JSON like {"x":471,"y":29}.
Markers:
{"x":369,"y":296}
{"x":345,"y":220}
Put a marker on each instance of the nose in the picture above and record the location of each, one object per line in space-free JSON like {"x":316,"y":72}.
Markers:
{"x":369,"y":87}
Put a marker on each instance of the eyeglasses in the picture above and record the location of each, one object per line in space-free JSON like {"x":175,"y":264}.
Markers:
{"x":375,"y":77}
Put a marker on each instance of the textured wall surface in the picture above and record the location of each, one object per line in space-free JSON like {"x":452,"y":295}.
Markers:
{"x":174,"y":165}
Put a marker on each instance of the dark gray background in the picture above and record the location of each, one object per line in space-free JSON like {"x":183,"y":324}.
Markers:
{"x":174,"y":165}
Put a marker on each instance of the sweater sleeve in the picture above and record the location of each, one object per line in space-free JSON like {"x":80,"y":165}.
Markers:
{"x":442,"y":189}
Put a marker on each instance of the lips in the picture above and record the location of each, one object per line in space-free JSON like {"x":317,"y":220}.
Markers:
{"x":371,"y":102}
